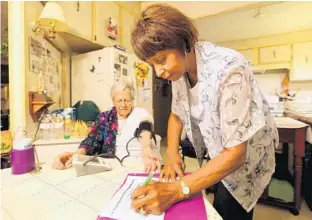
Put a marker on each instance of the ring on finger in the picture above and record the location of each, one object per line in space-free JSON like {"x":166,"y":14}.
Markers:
{"x":142,"y":211}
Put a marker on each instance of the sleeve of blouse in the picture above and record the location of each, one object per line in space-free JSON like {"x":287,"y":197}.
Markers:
{"x":175,"y":100}
{"x":91,"y":144}
{"x":241,"y":110}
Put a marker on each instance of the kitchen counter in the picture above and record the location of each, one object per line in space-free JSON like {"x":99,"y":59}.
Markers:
{"x":72,"y":140}
{"x":304,"y":117}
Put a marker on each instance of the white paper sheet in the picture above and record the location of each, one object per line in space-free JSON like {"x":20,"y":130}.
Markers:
{"x":119,"y":206}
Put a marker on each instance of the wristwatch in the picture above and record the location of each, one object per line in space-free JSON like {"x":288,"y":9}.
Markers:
{"x":185,"y":189}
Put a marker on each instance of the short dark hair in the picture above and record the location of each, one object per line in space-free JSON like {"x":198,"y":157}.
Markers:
{"x":162,"y":27}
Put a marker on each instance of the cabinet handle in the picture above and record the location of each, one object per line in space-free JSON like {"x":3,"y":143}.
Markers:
{"x":78,"y":5}
{"x":274,"y":54}
{"x":306,"y":59}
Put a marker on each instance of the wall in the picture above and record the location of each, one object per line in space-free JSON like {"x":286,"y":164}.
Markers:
{"x":32,"y":12}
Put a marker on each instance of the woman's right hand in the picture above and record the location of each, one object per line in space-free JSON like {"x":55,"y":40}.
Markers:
{"x":63,"y":161}
{"x":174,"y":166}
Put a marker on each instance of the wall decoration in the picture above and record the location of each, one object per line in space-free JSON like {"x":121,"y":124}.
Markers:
{"x":45,"y":61}
{"x":141,"y":73}
{"x":112,"y":31}
{"x":123,"y":59}
{"x":124,"y":72}
{"x":37,"y":53}
{"x":117,"y":72}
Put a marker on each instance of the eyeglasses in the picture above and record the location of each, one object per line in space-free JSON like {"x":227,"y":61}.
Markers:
{"x":124,"y":101}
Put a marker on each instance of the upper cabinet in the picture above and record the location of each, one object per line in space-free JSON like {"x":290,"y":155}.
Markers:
{"x":302,"y":61}
{"x":251,"y":55}
{"x":78,"y":15}
{"x":128,"y":22}
{"x":103,"y":11}
{"x":275,"y":54}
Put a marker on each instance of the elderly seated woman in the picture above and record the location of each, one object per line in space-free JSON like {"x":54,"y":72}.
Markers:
{"x":114,"y":128}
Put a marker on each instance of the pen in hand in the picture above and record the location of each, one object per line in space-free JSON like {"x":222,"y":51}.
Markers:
{"x":148,"y":179}
{"x":146,"y":182}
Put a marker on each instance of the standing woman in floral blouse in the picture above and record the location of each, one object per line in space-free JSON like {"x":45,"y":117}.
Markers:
{"x":218,"y":102}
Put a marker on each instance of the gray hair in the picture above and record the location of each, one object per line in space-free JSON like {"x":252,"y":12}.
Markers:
{"x":120,"y":86}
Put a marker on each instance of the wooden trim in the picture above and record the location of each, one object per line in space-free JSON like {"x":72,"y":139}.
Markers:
{"x":94,"y":19}
{"x":276,"y":45}
{"x":120,"y":23}
{"x":266,"y":36}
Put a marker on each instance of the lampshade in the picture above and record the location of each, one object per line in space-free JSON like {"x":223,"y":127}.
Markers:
{"x":54,"y":13}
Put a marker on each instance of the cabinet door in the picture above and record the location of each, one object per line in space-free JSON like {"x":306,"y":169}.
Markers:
{"x":251,"y":55}
{"x":302,"y":61}
{"x":128,"y":22}
{"x":275,"y":54}
{"x":105,"y":10}
{"x":78,"y":15}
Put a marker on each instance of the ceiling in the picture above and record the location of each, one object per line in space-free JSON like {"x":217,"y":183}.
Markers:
{"x":199,"y":9}
{"x":273,"y":19}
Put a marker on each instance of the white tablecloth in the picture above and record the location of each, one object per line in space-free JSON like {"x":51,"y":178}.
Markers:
{"x":59,"y":194}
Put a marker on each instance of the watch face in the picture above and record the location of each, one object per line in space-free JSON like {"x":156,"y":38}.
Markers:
{"x":186,"y":190}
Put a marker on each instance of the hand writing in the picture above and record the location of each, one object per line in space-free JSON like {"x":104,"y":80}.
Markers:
{"x":156,"y":197}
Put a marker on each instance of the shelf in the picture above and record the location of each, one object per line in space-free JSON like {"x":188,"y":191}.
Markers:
{"x":38,"y":102}
{"x":79,"y":44}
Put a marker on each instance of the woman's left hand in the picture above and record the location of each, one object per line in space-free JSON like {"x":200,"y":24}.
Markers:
{"x":151,"y":161}
{"x":156,"y":197}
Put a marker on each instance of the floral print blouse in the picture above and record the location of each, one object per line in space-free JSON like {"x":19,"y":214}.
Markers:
{"x":232,"y":110}
{"x":102,"y":137}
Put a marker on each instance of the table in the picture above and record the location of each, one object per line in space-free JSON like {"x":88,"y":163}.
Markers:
{"x":292,"y":131}
{"x":59,"y":194}
{"x":305,"y":118}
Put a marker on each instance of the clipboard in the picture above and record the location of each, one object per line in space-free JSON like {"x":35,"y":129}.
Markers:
{"x":192,"y":208}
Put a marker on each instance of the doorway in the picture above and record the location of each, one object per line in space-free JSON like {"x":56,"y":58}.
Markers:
{"x":162,"y":96}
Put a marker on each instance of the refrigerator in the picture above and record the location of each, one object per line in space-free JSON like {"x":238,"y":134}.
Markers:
{"x":93,"y":74}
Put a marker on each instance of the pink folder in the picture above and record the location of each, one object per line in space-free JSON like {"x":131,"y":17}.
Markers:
{"x":193,"y":208}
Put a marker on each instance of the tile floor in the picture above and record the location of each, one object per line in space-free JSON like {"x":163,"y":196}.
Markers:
{"x":261,"y":212}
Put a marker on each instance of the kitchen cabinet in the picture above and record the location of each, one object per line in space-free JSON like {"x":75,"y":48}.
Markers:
{"x":302,"y":61}
{"x":128,"y":22}
{"x":251,"y":55}
{"x":275,"y":54}
{"x":78,"y":15}
{"x":104,"y":10}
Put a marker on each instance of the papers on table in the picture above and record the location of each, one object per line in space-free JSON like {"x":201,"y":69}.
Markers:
{"x":120,"y":205}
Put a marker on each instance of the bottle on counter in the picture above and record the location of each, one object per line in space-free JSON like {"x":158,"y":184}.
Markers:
{"x":59,"y":126}
{"x":68,"y":127}
{"x":52,"y":127}
{"x":45,"y":127}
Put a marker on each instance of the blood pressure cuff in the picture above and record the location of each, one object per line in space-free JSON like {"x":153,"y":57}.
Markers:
{"x":145,"y":126}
